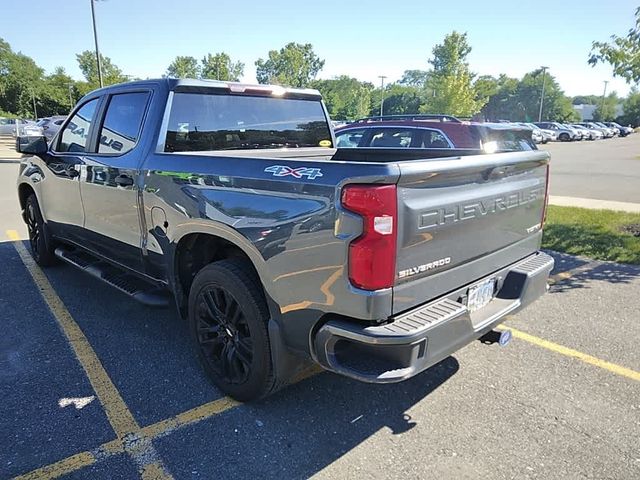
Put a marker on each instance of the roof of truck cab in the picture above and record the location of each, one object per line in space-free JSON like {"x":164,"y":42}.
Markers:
{"x":197,"y":84}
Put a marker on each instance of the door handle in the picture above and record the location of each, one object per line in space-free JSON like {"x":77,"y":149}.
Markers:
{"x":123,"y":180}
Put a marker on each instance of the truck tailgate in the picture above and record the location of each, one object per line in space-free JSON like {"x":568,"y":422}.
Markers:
{"x":461,"y":218}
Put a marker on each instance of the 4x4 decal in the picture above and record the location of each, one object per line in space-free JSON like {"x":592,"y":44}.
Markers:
{"x":284,"y":171}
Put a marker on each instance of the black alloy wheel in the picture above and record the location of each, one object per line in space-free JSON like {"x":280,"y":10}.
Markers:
{"x":39,"y":239}
{"x":228,"y":318}
{"x":223,"y":334}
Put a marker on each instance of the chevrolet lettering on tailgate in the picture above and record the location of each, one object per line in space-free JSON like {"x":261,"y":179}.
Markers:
{"x":479,"y":208}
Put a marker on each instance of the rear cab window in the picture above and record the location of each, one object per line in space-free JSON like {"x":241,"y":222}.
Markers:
{"x":218,"y":122}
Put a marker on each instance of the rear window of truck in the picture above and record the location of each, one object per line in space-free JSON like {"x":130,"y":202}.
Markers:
{"x":206,"y":122}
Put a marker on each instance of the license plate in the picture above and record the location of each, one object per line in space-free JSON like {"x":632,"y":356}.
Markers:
{"x":481,"y":294}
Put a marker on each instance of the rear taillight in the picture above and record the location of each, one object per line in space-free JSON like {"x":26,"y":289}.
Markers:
{"x":372,"y":256}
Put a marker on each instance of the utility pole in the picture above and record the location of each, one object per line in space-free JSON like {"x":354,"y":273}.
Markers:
{"x":602,"y":103}
{"x":544,"y":71}
{"x":95,"y":37}
{"x":382,"y":77}
{"x":35,"y":110}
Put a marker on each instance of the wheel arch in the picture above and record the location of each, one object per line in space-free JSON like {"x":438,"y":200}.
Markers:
{"x":24,"y":191}
{"x":195,"y":248}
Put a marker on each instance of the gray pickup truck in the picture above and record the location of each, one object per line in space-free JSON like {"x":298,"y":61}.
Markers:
{"x":232,"y":202}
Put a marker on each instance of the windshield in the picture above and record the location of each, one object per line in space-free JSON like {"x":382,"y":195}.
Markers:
{"x":205,"y":122}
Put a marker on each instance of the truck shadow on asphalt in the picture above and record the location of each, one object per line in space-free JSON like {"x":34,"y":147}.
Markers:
{"x":614,"y":273}
{"x":295,"y":433}
{"x":304,"y":428}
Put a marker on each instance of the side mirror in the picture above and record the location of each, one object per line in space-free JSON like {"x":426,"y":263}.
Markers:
{"x":31,"y":145}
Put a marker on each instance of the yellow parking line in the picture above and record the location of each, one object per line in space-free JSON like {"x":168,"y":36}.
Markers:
{"x":63,"y":467}
{"x":117,"y":412}
{"x":569,"y":352}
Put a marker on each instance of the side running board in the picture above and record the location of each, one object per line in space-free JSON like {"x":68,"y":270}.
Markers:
{"x":127,"y":283}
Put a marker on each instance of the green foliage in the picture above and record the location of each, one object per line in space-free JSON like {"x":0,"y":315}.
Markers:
{"x":414,"y":78}
{"x":346,"y":98}
{"x":631,"y":108}
{"x":220,"y":67}
{"x":449,"y":88}
{"x":599,"y":234}
{"x":183,"y":67}
{"x":111,"y":74}
{"x":58,"y":94}
{"x":606,"y":111}
{"x":20,"y":81}
{"x":622,"y":53}
{"x":586,"y":100}
{"x":499,"y":96}
{"x":519,"y":100}
{"x":398,"y":100}
{"x":294,"y":65}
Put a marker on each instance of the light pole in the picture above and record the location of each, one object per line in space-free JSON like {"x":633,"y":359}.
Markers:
{"x":602,"y":103}
{"x":544,"y":71}
{"x":382,"y":77}
{"x":35,"y":110}
{"x":95,"y":37}
{"x":70,"y":97}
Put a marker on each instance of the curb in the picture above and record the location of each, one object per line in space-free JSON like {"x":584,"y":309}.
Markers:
{"x":594,"y":204}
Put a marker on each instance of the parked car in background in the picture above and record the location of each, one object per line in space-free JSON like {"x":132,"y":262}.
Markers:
{"x":429,"y":132}
{"x":613,"y":131}
{"x":606,"y":132}
{"x":536,"y":134}
{"x":17,"y":126}
{"x":579,"y":134}
{"x":7,"y":126}
{"x":622,"y":131}
{"x":51,"y":125}
{"x":563,"y":134}
{"x":589,"y":133}
{"x":547,"y":135}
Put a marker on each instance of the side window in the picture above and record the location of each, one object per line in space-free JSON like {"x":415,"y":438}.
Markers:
{"x":75,"y":134}
{"x":121,"y":126}
{"x":434,"y":139}
{"x":393,"y":138}
{"x":349,"y":138}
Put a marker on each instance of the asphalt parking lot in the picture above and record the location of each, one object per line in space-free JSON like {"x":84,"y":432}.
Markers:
{"x":96,"y":386}
{"x":603,"y":169}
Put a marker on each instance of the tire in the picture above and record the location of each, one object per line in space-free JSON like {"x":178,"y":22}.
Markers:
{"x":564,"y":137}
{"x":228,"y":319}
{"x":42,"y":248}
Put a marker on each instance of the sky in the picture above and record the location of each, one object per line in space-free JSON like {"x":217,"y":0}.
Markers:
{"x":362,"y":39}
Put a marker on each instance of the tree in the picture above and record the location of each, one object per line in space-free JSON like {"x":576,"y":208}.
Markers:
{"x":59,"y":94}
{"x":183,"y":67}
{"x":606,"y":110}
{"x":556,"y":107}
{"x":220,"y":67}
{"x":622,"y":53}
{"x":449,"y":88}
{"x":346,"y":98}
{"x":294,"y":65}
{"x":21,"y":81}
{"x":586,"y":100}
{"x":398,"y":100}
{"x":499,"y":97}
{"x":414,"y":78}
{"x":111,"y":74}
{"x":631,"y":109}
